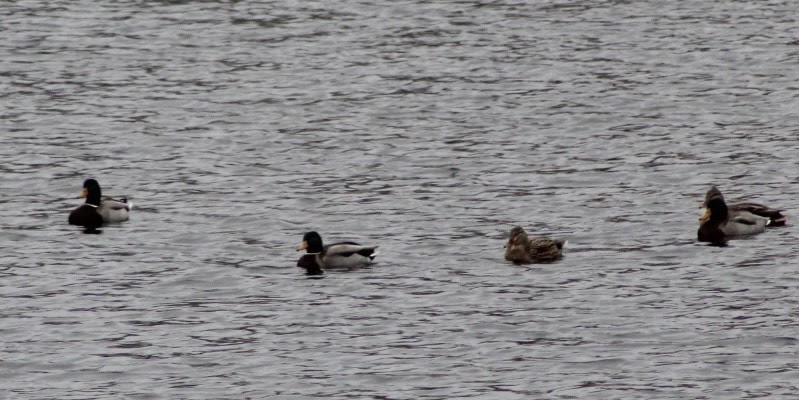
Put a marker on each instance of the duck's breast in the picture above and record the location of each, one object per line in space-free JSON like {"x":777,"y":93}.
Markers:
{"x":85,"y":215}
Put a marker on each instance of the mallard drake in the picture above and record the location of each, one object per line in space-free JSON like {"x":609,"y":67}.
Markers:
{"x":98,"y":210}
{"x":343,"y":254}
{"x":522,"y":249}
{"x":720,"y":220}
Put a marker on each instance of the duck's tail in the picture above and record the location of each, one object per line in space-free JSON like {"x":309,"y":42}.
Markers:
{"x":775,"y":217}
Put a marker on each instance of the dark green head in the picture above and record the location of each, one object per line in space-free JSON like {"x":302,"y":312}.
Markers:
{"x":716,"y":207}
{"x":91,"y":191}
{"x":311,"y":243}
{"x":712,"y":193}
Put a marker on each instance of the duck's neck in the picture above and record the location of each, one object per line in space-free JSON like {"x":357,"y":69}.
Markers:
{"x":314,"y":247}
{"x":93,"y":198}
{"x":718,"y":210}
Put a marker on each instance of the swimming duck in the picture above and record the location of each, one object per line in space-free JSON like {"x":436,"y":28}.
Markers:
{"x":343,"y":254}
{"x":522,"y":249}
{"x":720,"y":220}
{"x":98,"y":210}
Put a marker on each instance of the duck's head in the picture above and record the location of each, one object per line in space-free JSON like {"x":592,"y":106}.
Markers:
{"x":517,"y":237}
{"x":715,"y":207}
{"x":517,"y":246}
{"x":712,"y":194}
{"x":91,"y":191}
{"x":311,"y":243}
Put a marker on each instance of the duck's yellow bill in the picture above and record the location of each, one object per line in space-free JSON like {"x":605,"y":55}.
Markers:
{"x":705,"y":215}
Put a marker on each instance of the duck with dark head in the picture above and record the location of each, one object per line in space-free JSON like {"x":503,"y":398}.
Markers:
{"x":336,"y":255}
{"x":721,"y":221}
{"x":96,"y":210}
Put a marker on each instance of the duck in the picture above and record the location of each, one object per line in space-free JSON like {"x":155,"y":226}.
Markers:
{"x":336,"y":255}
{"x":98,"y":210}
{"x":522,"y":249}
{"x":720,"y":220}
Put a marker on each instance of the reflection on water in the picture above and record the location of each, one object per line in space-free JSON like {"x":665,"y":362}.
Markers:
{"x":429,"y":130}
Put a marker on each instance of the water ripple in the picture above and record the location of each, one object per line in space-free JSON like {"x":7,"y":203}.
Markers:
{"x":429,"y":129}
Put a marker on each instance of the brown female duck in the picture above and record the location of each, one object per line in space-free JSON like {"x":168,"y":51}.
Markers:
{"x":522,"y":249}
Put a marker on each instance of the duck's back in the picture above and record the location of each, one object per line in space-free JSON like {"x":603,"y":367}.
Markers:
{"x":347,"y":254}
{"x":113,"y":210}
{"x":545,"y":249}
{"x":744,"y":223}
{"x":774,"y":216}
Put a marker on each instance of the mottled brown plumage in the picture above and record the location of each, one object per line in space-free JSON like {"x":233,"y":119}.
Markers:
{"x":522,"y":249}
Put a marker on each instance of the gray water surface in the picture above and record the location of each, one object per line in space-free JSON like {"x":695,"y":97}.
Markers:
{"x":429,"y":129}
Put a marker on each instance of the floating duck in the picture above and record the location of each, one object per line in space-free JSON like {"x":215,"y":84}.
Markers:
{"x":522,"y":249}
{"x":98,"y":210}
{"x":341,"y":255}
{"x":721,"y":221}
